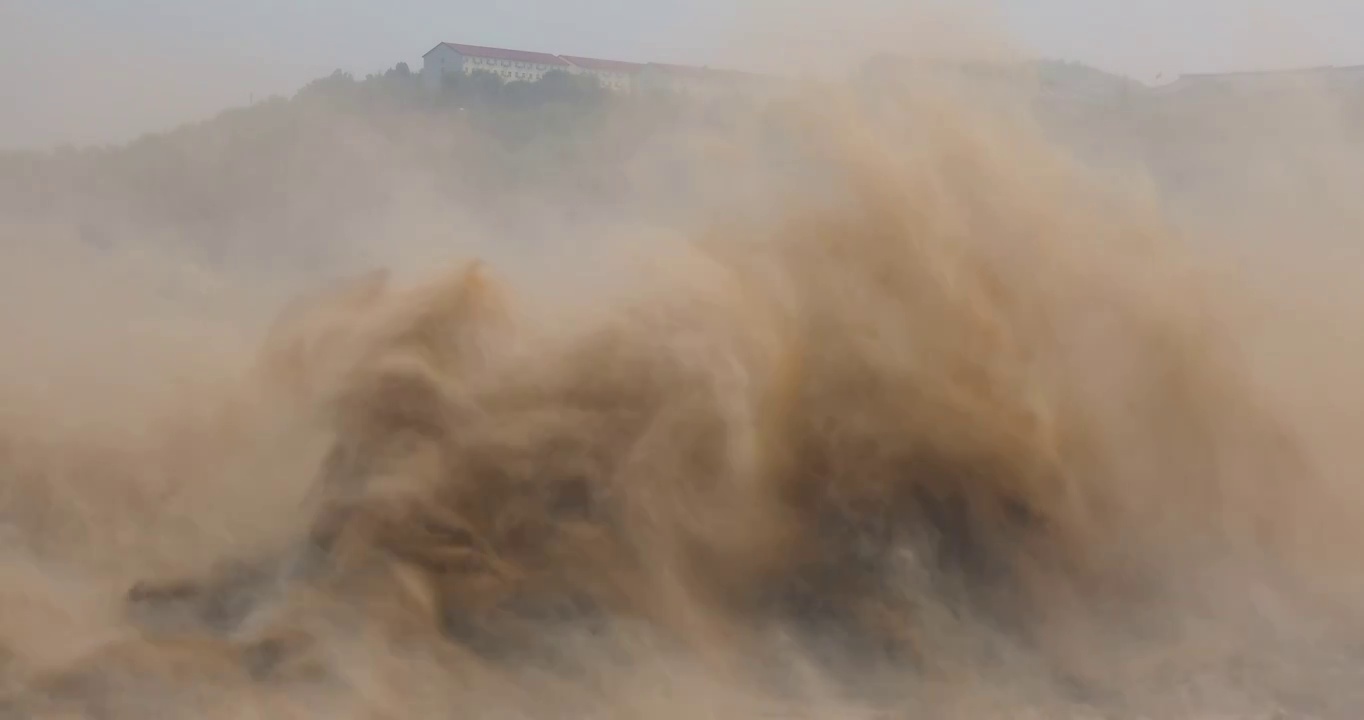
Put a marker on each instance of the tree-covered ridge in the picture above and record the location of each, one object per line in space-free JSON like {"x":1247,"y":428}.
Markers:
{"x":346,"y":159}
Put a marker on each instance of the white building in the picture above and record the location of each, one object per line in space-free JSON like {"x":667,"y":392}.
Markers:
{"x":612,"y":74}
{"x":511,"y":65}
{"x":700,"y":82}
{"x":1258,"y":82}
{"x":520,"y":65}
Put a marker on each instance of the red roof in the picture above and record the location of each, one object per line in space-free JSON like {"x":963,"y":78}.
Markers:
{"x":703,"y":72}
{"x":503,"y":54}
{"x":1287,"y":71}
{"x":598,"y":64}
{"x":682,"y":69}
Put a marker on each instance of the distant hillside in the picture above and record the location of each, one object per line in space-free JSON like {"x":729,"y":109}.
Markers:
{"x":313,"y":179}
{"x":1085,"y":79}
{"x":310,"y":178}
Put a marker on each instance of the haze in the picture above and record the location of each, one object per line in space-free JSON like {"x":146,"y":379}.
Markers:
{"x":98,"y":71}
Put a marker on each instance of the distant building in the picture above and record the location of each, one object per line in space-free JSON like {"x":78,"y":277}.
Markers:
{"x":617,"y":75}
{"x":701,"y":82}
{"x":1262,"y":81}
{"x":612,"y":74}
{"x":511,"y":65}
{"x":1021,"y":78}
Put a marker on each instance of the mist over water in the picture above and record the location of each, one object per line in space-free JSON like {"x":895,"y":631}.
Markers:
{"x":913,"y":395}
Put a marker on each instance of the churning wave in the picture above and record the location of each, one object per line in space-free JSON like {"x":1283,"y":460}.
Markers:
{"x":949,"y":431}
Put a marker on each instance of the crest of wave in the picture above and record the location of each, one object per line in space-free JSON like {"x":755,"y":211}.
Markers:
{"x":951,"y":431}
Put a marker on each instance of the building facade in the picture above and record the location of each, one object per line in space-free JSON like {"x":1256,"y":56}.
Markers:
{"x":611,"y":74}
{"x":615,"y":75}
{"x":699,"y":82}
{"x":510,"y":65}
{"x":1260,"y":82}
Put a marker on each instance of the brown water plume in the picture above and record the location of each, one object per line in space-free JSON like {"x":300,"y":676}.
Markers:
{"x":948,"y":428}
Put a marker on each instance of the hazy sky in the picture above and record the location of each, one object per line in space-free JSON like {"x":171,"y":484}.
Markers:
{"x":85,"y":71}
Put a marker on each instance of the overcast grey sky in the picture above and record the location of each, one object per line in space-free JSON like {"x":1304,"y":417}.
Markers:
{"x":84,"y":71}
